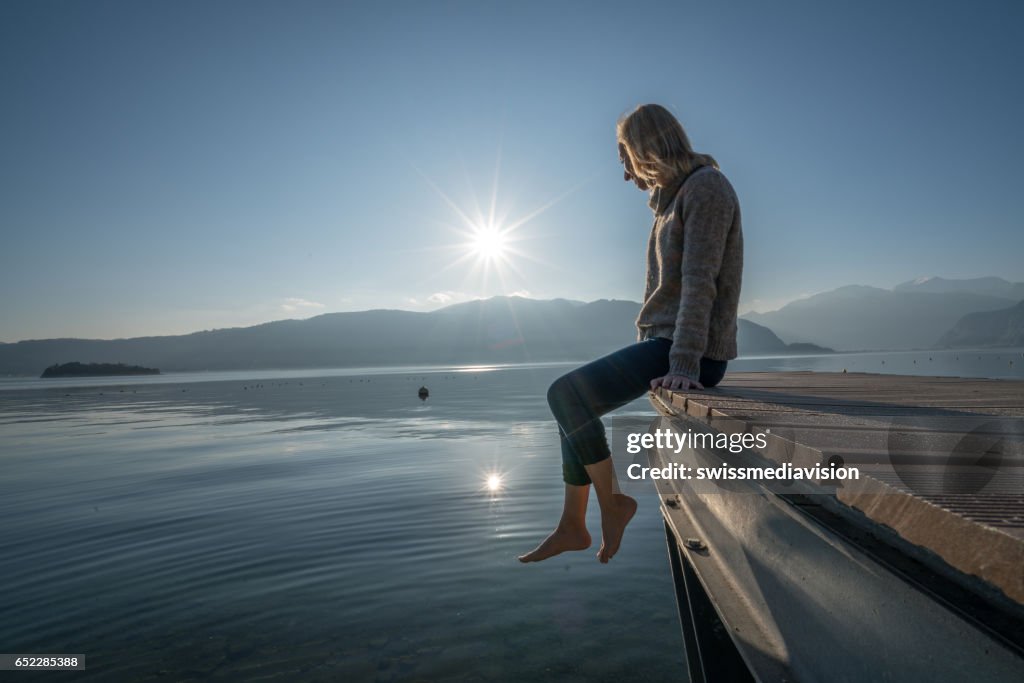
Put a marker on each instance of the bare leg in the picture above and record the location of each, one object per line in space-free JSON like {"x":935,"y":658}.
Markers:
{"x":571,"y":532}
{"x":616,"y":508}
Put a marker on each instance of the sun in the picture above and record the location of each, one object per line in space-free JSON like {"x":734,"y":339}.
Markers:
{"x":488,"y":243}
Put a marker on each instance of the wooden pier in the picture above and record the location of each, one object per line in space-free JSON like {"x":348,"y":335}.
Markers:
{"x":913,"y":571}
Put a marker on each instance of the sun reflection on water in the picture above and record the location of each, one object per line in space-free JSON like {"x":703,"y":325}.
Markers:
{"x":494,"y":482}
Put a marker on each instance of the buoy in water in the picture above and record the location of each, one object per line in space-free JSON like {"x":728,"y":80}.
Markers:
{"x":423,"y":393}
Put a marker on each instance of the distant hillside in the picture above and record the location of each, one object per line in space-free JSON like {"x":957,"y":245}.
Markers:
{"x":1004,"y":327}
{"x":858,"y":317}
{"x":754,"y":339}
{"x":497,"y":330}
{"x":987,"y":286}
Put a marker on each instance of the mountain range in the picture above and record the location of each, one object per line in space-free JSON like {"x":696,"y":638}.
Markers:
{"x":912,"y":315}
{"x":922,"y":313}
{"x":988,"y":286}
{"x":496,"y":330}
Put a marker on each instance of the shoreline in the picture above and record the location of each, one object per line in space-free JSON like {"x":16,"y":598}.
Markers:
{"x":193,"y":376}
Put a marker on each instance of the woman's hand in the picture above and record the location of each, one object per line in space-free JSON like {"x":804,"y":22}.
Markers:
{"x":675,"y":382}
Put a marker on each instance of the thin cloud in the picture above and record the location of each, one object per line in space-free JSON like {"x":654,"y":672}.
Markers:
{"x":292,"y":304}
{"x":445,"y":297}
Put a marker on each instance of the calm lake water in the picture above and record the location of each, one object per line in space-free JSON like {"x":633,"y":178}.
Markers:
{"x":328,"y":525}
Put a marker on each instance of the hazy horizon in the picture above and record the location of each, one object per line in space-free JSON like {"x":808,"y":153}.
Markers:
{"x":171,"y":168}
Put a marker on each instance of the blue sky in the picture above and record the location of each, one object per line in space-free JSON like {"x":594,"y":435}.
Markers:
{"x":175,"y":166}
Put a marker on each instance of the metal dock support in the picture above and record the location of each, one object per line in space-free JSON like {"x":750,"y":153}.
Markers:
{"x":710,"y":653}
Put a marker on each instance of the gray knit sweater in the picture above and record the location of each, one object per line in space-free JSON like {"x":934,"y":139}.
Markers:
{"x":694,"y":270}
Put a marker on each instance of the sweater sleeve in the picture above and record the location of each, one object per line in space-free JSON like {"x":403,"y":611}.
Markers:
{"x":707,"y":216}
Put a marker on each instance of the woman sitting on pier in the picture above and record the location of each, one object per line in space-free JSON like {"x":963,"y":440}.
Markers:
{"x":686,"y":327}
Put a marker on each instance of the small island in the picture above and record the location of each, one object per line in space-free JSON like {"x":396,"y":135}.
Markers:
{"x":95,"y":370}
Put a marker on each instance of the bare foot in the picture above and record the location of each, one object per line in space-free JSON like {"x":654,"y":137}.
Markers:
{"x":560,"y":540}
{"x":613,"y":524}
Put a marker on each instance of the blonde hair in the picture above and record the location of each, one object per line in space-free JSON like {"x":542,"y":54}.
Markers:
{"x":657,"y":145}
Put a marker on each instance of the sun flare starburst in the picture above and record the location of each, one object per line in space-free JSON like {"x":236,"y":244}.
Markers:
{"x":489,"y":246}
{"x":488,"y":243}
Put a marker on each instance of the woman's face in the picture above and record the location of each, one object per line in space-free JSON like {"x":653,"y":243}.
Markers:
{"x":627,"y":166}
